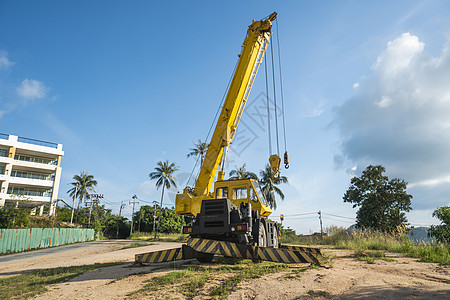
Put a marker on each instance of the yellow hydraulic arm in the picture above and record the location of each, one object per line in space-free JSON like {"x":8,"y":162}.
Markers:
{"x":254,"y":48}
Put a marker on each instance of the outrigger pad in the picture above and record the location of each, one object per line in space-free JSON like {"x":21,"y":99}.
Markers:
{"x":286,"y":254}
{"x":282,"y":255}
{"x":159,"y":256}
{"x":300,"y":248}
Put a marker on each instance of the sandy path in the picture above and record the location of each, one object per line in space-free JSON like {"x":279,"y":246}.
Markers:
{"x":100,"y":252}
{"x":347,"y":278}
{"x":403,"y":278}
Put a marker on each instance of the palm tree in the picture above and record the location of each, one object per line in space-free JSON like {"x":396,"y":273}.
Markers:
{"x":84,"y":183}
{"x":199,"y":149}
{"x":242,"y":173}
{"x":163,"y":175}
{"x":268,"y":186}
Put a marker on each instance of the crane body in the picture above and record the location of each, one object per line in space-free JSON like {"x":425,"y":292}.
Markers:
{"x":232,"y":219}
{"x":235,"y":210}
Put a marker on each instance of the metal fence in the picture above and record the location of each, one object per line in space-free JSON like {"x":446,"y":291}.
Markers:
{"x":19,"y":240}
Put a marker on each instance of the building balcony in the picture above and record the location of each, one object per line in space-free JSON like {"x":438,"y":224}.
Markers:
{"x":31,"y":144}
{"x":27,"y":201}
{"x":30,"y":182}
{"x":5,"y":160}
{"x":34,"y":165}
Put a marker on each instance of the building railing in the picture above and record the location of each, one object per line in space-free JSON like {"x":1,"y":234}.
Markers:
{"x":20,"y":192}
{"x":29,"y":175}
{"x":39,"y":160}
{"x":4,"y":136}
{"x":37,"y":142}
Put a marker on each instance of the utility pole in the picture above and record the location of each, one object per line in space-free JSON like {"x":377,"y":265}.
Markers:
{"x":73,"y":206}
{"x":121,"y":207}
{"x":133,"y":202}
{"x":95,"y":200}
{"x":120,"y":213}
{"x":321,"y":228}
{"x":154,"y":214}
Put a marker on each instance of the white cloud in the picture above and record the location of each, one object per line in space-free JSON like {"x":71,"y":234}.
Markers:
{"x":399,"y":54}
{"x":384,"y":102}
{"x":32,"y":89}
{"x":4,"y":61}
{"x":313,"y":111}
{"x":398,"y":117}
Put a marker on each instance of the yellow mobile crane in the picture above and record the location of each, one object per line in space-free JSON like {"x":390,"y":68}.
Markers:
{"x":233,"y":219}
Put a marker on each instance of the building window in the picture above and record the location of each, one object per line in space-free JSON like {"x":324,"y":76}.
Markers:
{"x":29,"y":192}
{"x":3,"y":153}
{"x":23,"y":174}
{"x":2,"y":170}
{"x":39,"y":160}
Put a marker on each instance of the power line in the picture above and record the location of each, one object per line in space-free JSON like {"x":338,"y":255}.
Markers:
{"x":303,"y":214}
{"x":339,"y":216}
{"x":327,"y":218}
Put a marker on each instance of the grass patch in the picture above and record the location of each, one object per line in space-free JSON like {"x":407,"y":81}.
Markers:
{"x":162,"y":237}
{"x":322,"y":294}
{"x":187,"y":282}
{"x":246,"y":270}
{"x":371,"y":256}
{"x":136,"y":245}
{"x":224,"y":274}
{"x":363,"y":240}
{"x":33,"y":283}
{"x":295,"y":273}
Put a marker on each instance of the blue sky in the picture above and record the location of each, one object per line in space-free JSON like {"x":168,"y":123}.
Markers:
{"x":123,"y":85}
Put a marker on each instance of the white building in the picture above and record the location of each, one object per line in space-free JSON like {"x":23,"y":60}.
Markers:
{"x":30,"y":172}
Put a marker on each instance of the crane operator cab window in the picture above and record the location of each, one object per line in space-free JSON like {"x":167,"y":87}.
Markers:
{"x":222,"y":192}
{"x":259,"y":192}
{"x":253,"y":197}
{"x":240,"y":193}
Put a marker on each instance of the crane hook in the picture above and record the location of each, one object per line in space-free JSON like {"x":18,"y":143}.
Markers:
{"x":274,"y":161}
{"x":286,"y":160}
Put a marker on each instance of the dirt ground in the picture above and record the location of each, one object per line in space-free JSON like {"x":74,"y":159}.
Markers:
{"x":344,"y":277}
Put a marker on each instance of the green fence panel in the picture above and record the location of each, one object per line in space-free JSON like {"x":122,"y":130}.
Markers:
{"x":46,"y":235}
{"x":70,"y":239}
{"x":12,"y":241}
{"x":83,"y":235}
{"x":36,"y":236}
{"x":22,"y":240}
{"x":62,"y":236}
{"x":55,"y":237}
{"x":18,"y":240}
{"x":2,"y":239}
{"x":91,"y":233}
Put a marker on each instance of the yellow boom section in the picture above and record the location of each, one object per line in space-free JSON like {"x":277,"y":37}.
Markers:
{"x":255,"y":45}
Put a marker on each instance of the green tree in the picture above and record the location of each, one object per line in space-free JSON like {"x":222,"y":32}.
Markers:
{"x":83,"y":184}
{"x":170,"y":222}
{"x":269,"y":188}
{"x":200,"y":148}
{"x":163,"y":175}
{"x":242,"y":173}
{"x":11,"y":217}
{"x":441,"y":232}
{"x":382,"y":202}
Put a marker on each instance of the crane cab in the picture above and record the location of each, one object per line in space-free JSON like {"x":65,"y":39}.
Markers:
{"x":243,"y":191}
{"x":236,"y":212}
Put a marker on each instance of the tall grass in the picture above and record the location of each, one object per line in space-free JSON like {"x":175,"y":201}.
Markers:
{"x":363,"y":239}
{"x":163,"y":237}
